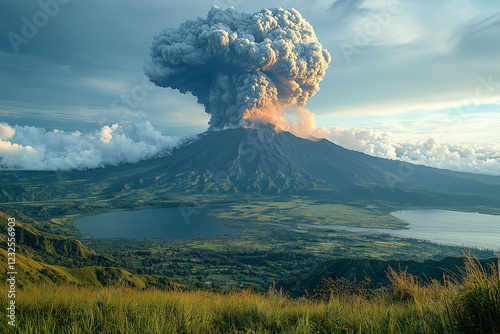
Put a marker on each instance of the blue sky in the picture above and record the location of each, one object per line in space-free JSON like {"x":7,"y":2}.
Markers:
{"x":411,"y":69}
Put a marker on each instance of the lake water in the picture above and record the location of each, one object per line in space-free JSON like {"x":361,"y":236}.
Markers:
{"x":441,"y":226}
{"x":152,"y":224}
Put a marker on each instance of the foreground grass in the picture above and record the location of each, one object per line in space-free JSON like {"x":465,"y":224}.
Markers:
{"x":469,"y":306}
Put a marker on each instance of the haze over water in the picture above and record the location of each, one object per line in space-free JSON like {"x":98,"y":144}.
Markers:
{"x":440,"y":226}
{"x":451,"y":227}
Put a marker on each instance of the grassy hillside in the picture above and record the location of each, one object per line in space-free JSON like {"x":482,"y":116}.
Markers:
{"x":471,"y":305}
{"x":46,"y":258}
{"x":47,"y":247}
{"x":34,"y":272}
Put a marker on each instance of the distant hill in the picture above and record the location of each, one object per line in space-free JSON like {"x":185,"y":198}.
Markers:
{"x":31,"y":271}
{"x":49,"y":248}
{"x":358,"y":269}
{"x":43,"y":257}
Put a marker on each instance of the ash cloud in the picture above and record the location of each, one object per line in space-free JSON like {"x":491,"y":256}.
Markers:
{"x":32,"y":148}
{"x":241,"y":67}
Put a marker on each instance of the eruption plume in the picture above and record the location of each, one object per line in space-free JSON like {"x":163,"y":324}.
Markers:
{"x":241,"y":67}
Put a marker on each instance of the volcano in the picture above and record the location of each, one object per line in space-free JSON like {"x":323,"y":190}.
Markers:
{"x":260,"y":160}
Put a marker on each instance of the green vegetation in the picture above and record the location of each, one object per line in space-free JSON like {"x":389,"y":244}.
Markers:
{"x":42,"y":257}
{"x":47,"y":247}
{"x":468,"y":305}
{"x":265,"y":252}
{"x":477,"y":306}
{"x":302,"y":210}
{"x":30,"y":272}
{"x":356,"y":270}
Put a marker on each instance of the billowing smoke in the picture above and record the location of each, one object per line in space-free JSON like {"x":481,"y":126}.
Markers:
{"x":241,"y":67}
{"x":34,"y":148}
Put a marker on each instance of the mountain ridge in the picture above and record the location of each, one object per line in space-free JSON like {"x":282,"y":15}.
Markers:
{"x":257,"y":161}
{"x":279,"y":159}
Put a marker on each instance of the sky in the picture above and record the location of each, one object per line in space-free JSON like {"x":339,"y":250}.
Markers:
{"x":412,"y":80}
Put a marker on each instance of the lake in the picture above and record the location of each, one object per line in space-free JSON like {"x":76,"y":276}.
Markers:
{"x":152,"y":224}
{"x":440,"y":226}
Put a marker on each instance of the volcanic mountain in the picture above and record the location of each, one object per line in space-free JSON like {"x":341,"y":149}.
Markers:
{"x":266,"y":161}
{"x":260,"y":160}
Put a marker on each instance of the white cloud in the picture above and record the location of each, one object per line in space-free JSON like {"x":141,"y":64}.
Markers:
{"x":471,"y":158}
{"x":38,"y":149}
{"x":6,"y":131}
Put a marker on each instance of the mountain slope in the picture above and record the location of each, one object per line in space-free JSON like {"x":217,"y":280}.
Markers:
{"x":32,"y":271}
{"x":47,"y":247}
{"x":264,"y":161}
{"x":43,"y":257}
{"x":258,"y":160}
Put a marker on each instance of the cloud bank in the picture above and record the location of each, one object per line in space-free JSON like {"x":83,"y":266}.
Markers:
{"x":33,"y":148}
{"x":471,"y":158}
{"x":241,"y":66}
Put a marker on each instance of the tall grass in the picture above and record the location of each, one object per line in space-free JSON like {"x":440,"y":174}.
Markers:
{"x":408,"y":306}
{"x":476,"y":308}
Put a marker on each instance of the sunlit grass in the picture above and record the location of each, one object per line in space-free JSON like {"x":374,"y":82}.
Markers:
{"x":476,"y":309}
{"x":469,"y":304}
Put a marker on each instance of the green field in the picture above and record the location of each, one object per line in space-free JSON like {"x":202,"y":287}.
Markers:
{"x":300,"y":210}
